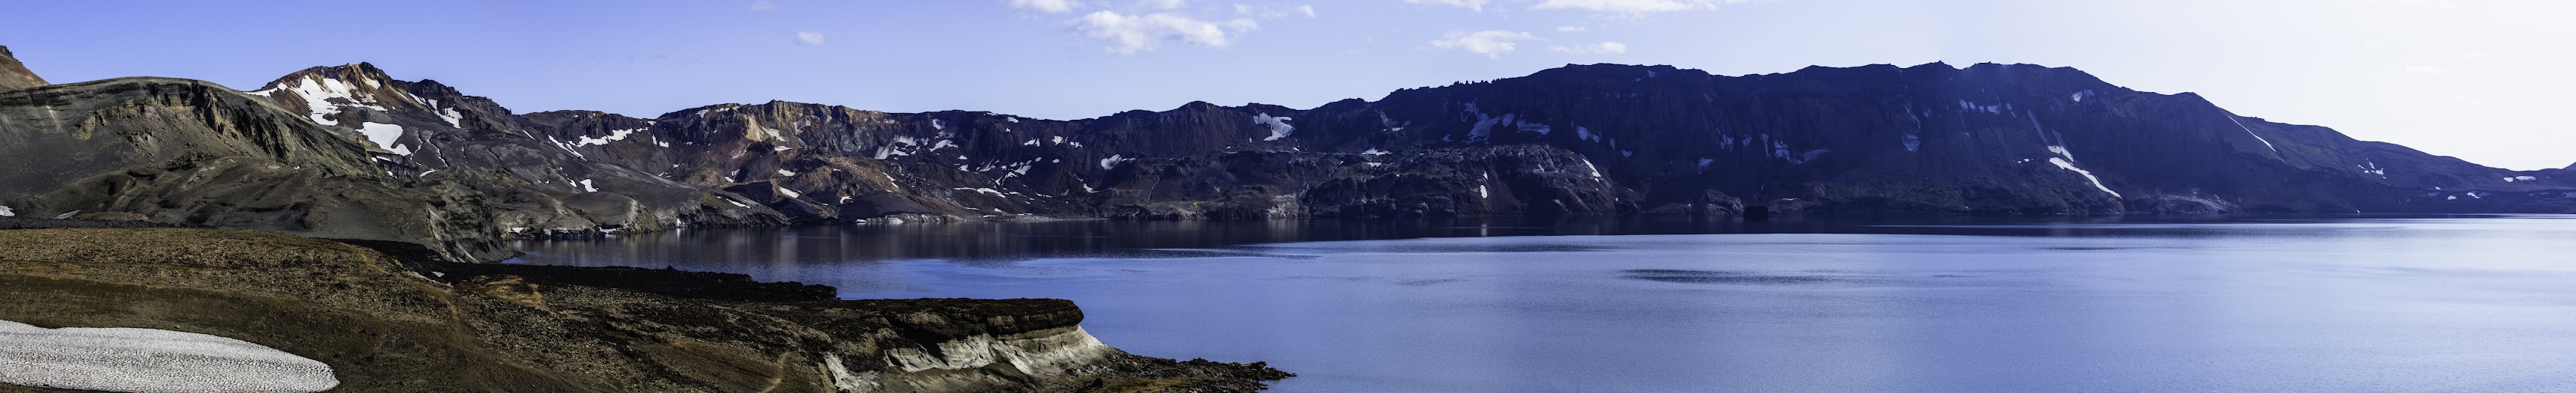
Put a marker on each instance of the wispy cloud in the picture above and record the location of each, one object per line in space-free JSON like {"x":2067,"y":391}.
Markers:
{"x":1491,"y":43}
{"x":1043,"y":6}
{"x":1571,"y":29}
{"x":2423,"y":69}
{"x":1163,"y":4}
{"x":1630,"y":8}
{"x":763,"y":6}
{"x":1477,"y":5}
{"x":1129,"y":34}
{"x":809,"y":38}
{"x":1605,"y":47}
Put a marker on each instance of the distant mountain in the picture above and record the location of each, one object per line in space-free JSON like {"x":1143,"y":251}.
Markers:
{"x":1596,"y":139}
{"x":318,"y":149}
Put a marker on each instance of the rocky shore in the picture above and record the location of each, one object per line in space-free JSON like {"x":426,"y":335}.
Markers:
{"x":387,"y":322}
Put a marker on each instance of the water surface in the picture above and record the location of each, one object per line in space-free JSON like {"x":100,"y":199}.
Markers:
{"x":2350,"y":304}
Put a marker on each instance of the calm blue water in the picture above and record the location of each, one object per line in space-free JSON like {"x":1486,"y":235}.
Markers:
{"x":2313,"y":304}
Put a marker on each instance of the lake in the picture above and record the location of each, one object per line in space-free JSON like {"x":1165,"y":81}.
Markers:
{"x":2273,"y":304}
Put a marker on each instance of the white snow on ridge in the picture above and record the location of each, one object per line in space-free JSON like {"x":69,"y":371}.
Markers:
{"x":383,"y":135}
{"x":5,"y":212}
{"x":1113,"y":161}
{"x":2267,"y":143}
{"x":151,"y":361}
{"x":783,"y":172}
{"x":617,"y":135}
{"x":2080,"y":96}
{"x":790,"y":193}
{"x":2088,"y":175}
{"x":585,"y":186}
{"x":452,"y":117}
{"x":1373,"y":152}
{"x":1279,"y":127}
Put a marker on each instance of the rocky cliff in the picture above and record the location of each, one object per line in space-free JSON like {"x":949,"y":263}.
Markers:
{"x":386,"y":324}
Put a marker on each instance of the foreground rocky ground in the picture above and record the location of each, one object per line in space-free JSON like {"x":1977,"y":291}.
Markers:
{"x":388,"y":322}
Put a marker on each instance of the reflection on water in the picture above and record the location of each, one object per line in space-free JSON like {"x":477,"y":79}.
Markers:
{"x":2325,"y":304}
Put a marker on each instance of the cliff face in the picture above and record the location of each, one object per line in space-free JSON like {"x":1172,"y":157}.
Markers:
{"x":384,"y":327}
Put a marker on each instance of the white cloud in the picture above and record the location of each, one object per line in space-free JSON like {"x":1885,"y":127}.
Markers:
{"x":1491,"y":43}
{"x":1630,"y":8}
{"x":809,"y":38}
{"x":1309,"y":10}
{"x":1045,"y":6}
{"x":1477,"y":5}
{"x":1128,"y":34}
{"x":2473,"y":55}
{"x":763,"y":5}
{"x":2422,"y":69}
{"x":1163,"y":4}
{"x":1605,"y":47}
{"x":1571,"y":29}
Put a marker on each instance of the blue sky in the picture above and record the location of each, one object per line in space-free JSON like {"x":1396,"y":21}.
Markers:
{"x":2483,"y":80}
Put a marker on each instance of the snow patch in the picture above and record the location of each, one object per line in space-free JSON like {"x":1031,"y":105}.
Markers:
{"x":617,"y":135}
{"x":790,"y":193}
{"x":451,"y":116}
{"x":1373,"y":152}
{"x":2088,"y":175}
{"x":1971,"y":106}
{"x":2267,"y":143}
{"x":1279,"y":127}
{"x":1913,"y":143}
{"x":2080,"y":96}
{"x":783,"y":172}
{"x":5,"y":212}
{"x":152,"y":361}
{"x":1113,"y":161}
{"x":982,"y":190}
{"x":382,"y":134}
{"x":586,"y":187}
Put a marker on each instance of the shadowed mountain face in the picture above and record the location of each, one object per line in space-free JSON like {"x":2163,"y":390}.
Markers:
{"x":1597,"y":139}
{"x":1590,"y":139}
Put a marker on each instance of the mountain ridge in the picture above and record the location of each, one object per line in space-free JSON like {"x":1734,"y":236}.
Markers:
{"x":1578,"y":139}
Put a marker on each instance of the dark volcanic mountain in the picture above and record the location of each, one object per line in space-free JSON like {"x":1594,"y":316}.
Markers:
{"x":329,"y":150}
{"x":1597,"y":139}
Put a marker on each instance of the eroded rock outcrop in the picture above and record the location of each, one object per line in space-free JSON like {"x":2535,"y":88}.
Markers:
{"x":384,"y":326}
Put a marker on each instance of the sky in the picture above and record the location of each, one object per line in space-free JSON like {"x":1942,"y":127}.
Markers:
{"x":2486,"y":81}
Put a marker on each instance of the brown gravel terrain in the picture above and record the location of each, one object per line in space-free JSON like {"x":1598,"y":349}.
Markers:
{"x":383,"y":326}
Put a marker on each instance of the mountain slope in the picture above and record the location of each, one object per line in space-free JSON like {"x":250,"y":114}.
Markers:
{"x":1596,"y":139}
{"x":425,"y":162}
{"x":14,"y":75}
{"x":182,"y":151}
{"x":539,"y":186}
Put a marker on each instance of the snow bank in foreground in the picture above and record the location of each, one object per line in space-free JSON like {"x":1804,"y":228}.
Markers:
{"x":151,"y":361}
